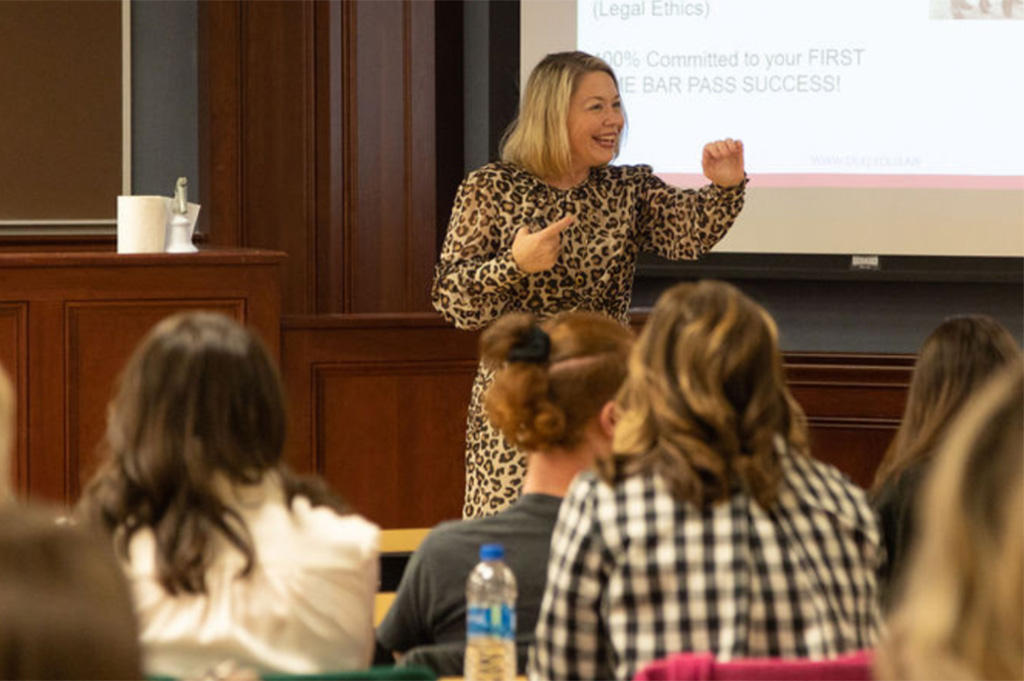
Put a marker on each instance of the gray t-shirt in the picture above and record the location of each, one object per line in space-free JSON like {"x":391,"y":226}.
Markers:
{"x":430,"y":606}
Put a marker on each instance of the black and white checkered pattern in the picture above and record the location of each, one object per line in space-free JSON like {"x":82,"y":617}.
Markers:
{"x":635,"y":575}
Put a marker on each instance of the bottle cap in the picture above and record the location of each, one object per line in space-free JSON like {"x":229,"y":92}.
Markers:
{"x":492,"y":552}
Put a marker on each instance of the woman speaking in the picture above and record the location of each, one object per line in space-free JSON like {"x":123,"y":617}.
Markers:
{"x":553,"y":227}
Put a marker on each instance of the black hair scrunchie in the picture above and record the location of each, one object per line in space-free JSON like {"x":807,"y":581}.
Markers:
{"x":532,"y":346}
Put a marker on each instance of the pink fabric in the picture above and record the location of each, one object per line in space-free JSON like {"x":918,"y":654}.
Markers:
{"x":703,"y":667}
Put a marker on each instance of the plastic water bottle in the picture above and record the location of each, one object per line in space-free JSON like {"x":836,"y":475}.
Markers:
{"x":491,"y":618}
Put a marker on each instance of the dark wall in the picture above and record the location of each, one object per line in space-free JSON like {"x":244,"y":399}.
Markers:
{"x":855,"y":317}
{"x":165,"y":136}
{"x":477,"y":88}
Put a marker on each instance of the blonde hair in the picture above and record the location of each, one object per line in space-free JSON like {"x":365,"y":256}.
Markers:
{"x":962,"y":613}
{"x":706,"y":398}
{"x":548,"y":403}
{"x":8,"y":429}
{"x":538,"y":139}
{"x":956,"y":359}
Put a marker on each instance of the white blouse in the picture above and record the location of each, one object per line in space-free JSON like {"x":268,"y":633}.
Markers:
{"x":306,"y":607}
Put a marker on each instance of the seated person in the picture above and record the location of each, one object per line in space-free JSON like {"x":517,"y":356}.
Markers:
{"x":551,"y":396}
{"x":961,"y":614}
{"x":956,"y":359}
{"x":65,"y":608}
{"x":231,"y":557}
{"x":711,"y":529}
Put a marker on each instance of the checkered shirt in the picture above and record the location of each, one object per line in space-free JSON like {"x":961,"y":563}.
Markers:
{"x":635,"y":575}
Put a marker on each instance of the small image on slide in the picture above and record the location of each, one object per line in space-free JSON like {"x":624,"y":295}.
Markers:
{"x":976,"y":9}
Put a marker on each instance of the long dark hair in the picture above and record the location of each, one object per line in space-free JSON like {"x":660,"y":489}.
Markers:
{"x":959,"y":357}
{"x":200,"y":399}
{"x":959,"y":615}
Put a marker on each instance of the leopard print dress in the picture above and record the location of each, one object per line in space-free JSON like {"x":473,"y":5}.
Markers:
{"x":620,"y":211}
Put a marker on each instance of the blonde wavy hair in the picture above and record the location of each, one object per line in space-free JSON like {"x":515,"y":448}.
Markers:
{"x":962,"y":613}
{"x":7,"y":433}
{"x":706,"y":398}
{"x":539,"y":405}
{"x":538,"y":139}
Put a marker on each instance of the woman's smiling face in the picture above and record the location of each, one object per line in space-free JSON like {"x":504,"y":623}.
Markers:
{"x":595,"y":121}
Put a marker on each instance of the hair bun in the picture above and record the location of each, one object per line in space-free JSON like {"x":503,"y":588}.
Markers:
{"x":533,"y":346}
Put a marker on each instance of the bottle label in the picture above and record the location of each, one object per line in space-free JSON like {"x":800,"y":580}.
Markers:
{"x":498,"y":621}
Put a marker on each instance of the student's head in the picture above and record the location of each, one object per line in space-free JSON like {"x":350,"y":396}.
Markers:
{"x":65,"y":608}
{"x":7,"y":432}
{"x":554,"y":378}
{"x":961,"y":615}
{"x":200,"y":407}
{"x":201,"y":395}
{"x":706,"y":398}
{"x":956,"y":359}
{"x":558,"y":121}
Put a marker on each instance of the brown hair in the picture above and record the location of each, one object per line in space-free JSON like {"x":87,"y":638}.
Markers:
{"x":962,"y":612}
{"x":547,"y":403}
{"x":706,"y":398}
{"x":538,"y":139}
{"x":65,"y":607}
{"x":959,"y":356}
{"x":199,"y":399}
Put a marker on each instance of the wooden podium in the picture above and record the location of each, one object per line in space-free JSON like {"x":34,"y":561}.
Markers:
{"x":68,"y":323}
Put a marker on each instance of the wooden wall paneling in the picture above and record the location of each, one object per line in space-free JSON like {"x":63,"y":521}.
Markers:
{"x":317,"y":138}
{"x":69,"y":320}
{"x":391,"y":236}
{"x":378,"y":406}
{"x":63,"y":243}
{"x":853,"y":403}
{"x":220,"y":121}
{"x":100,"y":337}
{"x":14,"y":358}
{"x":278,"y":152}
{"x":421,"y":204}
{"x":380,"y":421}
{"x":377,"y":252}
{"x":298,"y":352}
{"x":854,"y":448}
{"x":44,"y":475}
{"x":348,"y":75}
{"x":331,"y":118}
